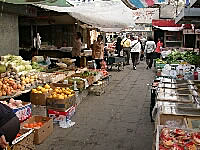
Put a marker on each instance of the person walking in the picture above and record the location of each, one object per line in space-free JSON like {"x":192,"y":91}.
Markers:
{"x":9,"y":126}
{"x":126,"y":43}
{"x":118,"y":45}
{"x":149,"y":50}
{"x":142,"y":48}
{"x":159,"y":46}
{"x":76,"y":51}
{"x":135,"y":51}
{"x":98,"y":51}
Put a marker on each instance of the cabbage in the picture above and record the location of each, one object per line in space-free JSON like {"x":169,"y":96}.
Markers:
{"x":28,"y":67}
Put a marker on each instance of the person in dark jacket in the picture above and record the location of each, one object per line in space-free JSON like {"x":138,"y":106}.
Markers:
{"x":9,"y":126}
{"x":118,"y":45}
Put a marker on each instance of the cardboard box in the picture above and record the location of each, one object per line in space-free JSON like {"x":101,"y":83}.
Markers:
{"x":193,"y":122}
{"x":39,"y":110}
{"x":24,"y":112}
{"x":58,"y":116}
{"x":54,"y":85}
{"x":61,"y":104}
{"x":42,"y":133}
{"x":25,"y":141}
{"x":39,"y":99}
{"x":179,"y":121}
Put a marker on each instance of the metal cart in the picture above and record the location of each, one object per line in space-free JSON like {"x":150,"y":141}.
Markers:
{"x":115,"y":61}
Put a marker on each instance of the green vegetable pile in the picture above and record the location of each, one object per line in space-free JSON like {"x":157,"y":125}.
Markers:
{"x":160,"y":61}
{"x":37,"y":67}
{"x":189,"y":56}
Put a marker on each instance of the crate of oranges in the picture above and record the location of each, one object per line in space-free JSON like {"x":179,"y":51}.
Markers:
{"x":61,"y":99}
{"x":39,"y":95}
{"x":43,"y":127}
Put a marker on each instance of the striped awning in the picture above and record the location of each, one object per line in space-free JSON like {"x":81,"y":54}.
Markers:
{"x":134,"y":4}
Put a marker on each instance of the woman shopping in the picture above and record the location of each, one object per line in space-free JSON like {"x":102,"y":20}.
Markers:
{"x":149,"y":50}
{"x":159,"y":48}
{"x":9,"y":126}
{"x":98,"y":51}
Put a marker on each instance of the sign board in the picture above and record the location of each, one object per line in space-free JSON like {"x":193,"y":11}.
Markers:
{"x":146,"y":15}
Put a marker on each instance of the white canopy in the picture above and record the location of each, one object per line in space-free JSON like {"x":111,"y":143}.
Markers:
{"x":101,"y":14}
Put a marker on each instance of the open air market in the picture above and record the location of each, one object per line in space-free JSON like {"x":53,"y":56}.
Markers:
{"x":99,"y":74}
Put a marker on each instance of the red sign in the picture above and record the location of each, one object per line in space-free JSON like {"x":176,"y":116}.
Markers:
{"x":165,"y":23}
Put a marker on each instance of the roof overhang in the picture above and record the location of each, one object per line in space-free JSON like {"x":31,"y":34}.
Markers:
{"x":194,"y":3}
{"x":188,"y":15}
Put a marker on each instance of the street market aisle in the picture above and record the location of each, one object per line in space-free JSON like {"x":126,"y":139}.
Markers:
{"x":117,"y":120}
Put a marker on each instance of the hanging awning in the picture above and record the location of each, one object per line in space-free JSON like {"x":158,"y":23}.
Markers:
{"x":111,"y":29}
{"x":189,"y":15}
{"x":134,"y":4}
{"x":99,"y":14}
{"x":169,"y":28}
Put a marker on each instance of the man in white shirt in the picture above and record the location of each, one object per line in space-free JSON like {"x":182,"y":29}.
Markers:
{"x":149,"y":49}
{"x":135,"y":51}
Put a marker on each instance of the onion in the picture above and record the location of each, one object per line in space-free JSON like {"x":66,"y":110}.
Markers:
{"x":12,"y":101}
{"x":18,"y":102}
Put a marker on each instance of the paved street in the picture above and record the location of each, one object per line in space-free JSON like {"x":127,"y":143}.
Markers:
{"x":117,"y":120}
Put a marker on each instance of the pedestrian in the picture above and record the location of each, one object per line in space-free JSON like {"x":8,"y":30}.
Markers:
{"x":118,"y":45}
{"x":159,"y":46}
{"x":149,"y":50}
{"x":9,"y":126}
{"x":135,"y":51}
{"x":142,"y":48}
{"x":126,"y":43}
{"x":76,"y":51}
{"x":98,"y":51}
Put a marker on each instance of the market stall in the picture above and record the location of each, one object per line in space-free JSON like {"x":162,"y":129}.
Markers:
{"x":41,"y":94}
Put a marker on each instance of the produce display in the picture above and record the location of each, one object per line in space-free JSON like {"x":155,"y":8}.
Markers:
{"x":15,"y":63}
{"x":105,"y":73}
{"x":13,"y":103}
{"x":42,"y":90}
{"x":12,"y":83}
{"x":189,"y":57}
{"x":160,"y":61}
{"x":37,"y":66}
{"x":47,"y":91}
{"x":34,"y":125}
{"x":61,"y":93}
{"x":179,"y":139}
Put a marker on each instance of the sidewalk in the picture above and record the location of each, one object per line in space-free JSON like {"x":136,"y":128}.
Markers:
{"x":117,"y":120}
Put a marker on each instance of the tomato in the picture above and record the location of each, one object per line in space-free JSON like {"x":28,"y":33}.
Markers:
{"x":34,"y":124}
{"x":40,"y":124}
{"x":26,"y":125}
{"x":30,"y":125}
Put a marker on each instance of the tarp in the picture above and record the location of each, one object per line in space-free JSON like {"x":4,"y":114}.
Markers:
{"x":104,"y":14}
{"x":107,"y":14}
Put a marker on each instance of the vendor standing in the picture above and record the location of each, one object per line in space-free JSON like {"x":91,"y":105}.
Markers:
{"x":9,"y":126}
{"x":76,"y":51}
{"x":98,"y":51}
